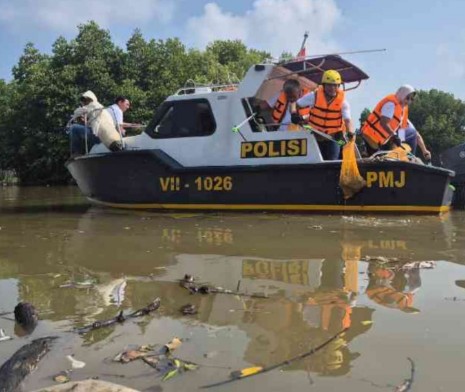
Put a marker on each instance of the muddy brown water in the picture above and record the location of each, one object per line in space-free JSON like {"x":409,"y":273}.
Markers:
{"x":313,"y":268}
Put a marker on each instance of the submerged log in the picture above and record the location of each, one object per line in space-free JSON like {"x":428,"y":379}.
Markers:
{"x":121,"y":317}
{"x":23,"y":362}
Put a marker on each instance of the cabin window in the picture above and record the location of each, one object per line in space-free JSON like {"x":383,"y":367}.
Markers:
{"x":262,"y":121}
{"x":184,"y":118}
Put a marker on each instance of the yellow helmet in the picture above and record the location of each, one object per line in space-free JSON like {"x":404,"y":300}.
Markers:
{"x":331,"y":77}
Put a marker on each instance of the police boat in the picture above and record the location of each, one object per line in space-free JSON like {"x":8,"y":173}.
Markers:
{"x":189,"y":158}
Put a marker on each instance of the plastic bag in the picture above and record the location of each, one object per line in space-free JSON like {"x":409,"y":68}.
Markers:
{"x":350,"y":179}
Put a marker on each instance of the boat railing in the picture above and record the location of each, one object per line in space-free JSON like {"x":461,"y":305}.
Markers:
{"x":192,"y":87}
{"x":205,"y":89}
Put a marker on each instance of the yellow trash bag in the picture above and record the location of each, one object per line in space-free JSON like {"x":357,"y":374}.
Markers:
{"x":400,"y":153}
{"x":350,"y":179}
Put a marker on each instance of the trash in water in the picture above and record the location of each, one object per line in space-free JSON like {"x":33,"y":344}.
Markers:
{"x":252,"y":371}
{"x":188,"y":282}
{"x":189,"y":309}
{"x":3,"y":336}
{"x":120,"y":318}
{"x":61,"y":378}
{"x":112,"y":292}
{"x":408,"y":382}
{"x":173,"y":344}
{"x":23,"y":362}
{"x":455,"y":299}
{"x":133,"y":354}
{"x":117,"y":294}
{"x":85,"y":284}
{"x":246,"y":372}
{"x":169,"y":367}
{"x":211,"y":354}
{"x":75,"y":364}
{"x":179,"y":367}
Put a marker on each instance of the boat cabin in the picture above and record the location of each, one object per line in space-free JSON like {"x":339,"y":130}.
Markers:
{"x":195,"y":125}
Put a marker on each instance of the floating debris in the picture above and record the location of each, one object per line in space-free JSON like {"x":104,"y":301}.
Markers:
{"x":189,"y":309}
{"x":366,"y":322}
{"x":75,"y":364}
{"x":3,"y":336}
{"x":85,"y":284}
{"x":179,"y":367}
{"x":188,"y":282}
{"x":169,"y":367}
{"x":253,"y":371}
{"x":133,"y":354}
{"x":407,"y":384}
{"x":61,"y":378}
{"x":120,"y":318}
{"x":247,"y":372}
{"x":454,"y":299}
{"x":23,"y":362}
{"x":173,"y":345}
{"x":112,"y":292}
{"x":117,"y":294}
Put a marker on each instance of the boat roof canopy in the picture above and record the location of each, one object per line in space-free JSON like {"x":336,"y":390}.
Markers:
{"x":313,"y":68}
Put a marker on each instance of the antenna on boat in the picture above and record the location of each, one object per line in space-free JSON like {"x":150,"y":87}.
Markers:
{"x":302,"y":51}
{"x":350,"y":52}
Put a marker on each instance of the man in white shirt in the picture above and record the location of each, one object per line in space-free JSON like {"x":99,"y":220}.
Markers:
{"x":116,"y":110}
{"x":388,"y":124}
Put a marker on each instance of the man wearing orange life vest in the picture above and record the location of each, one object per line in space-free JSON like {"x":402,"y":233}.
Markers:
{"x":329,"y":112}
{"x":281,"y":104}
{"x":380,"y":130}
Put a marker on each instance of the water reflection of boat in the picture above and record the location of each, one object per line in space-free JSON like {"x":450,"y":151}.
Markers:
{"x":145,"y":240}
{"x":188,"y":158}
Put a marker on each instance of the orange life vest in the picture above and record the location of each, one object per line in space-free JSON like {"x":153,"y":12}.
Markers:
{"x":372,"y":130}
{"x":280,"y":107}
{"x":327,"y":117}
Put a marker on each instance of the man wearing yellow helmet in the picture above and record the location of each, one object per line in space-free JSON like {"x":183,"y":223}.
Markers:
{"x":329,"y":113}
